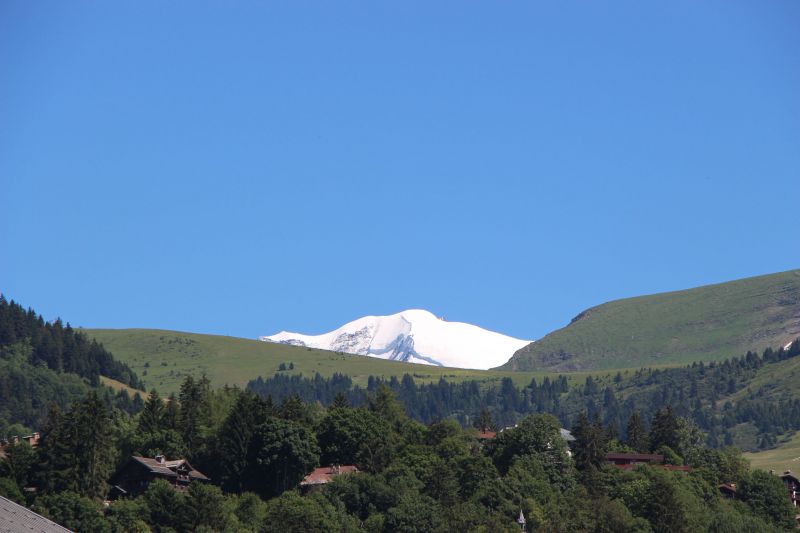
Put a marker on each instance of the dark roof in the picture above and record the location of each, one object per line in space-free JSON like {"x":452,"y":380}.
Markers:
{"x":726,"y":487}
{"x":325,"y":474}
{"x":651,"y":457}
{"x":673,"y":468}
{"x":788,"y":475}
{"x":169,"y":468}
{"x":14,"y":517}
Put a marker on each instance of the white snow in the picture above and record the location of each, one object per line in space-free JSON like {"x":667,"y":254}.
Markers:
{"x":416,"y":336}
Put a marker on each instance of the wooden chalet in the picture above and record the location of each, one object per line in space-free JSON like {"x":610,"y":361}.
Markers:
{"x":32,"y":440}
{"x":793,"y":485}
{"x":137,"y":474}
{"x":629,"y":461}
{"x":325,"y":474}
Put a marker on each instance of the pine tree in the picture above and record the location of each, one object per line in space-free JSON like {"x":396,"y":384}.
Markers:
{"x":590,"y":442}
{"x":234,"y":441}
{"x":95,"y":447}
{"x":152,"y":416}
{"x":340,"y":401}
{"x":484,"y":421}
{"x":664,"y":429}
{"x":637,"y":434}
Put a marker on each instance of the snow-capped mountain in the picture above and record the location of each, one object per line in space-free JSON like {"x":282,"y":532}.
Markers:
{"x":416,"y":336}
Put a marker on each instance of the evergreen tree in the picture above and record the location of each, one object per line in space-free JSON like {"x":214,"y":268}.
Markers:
{"x":235,"y":439}
{"x":637,"y":434}
{"x":484,"y":422}
{"x":590,"y":442}
{"x":95,"y":447}
{"x":340,"y":401}
{"x":664,"y":429}
{"x":152,"y":416}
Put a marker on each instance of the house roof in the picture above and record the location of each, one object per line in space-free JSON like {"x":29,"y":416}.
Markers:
{"x":650,"y":457}
{"x":325,"y":474}
{"x":788,"y":475}
{"x":486,"y":435}
{"x":14,"y":517}
{"x":728,"y":487}
{"x":168,"y":468}
{"x":673,"y":468}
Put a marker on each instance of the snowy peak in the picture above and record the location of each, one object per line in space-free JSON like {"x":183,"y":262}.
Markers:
{"x":415,"y":336}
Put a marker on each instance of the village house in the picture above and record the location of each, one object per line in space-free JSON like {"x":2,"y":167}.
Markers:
{"x":629,"y":461}
{"x":793,"y":485}
{"x":137,"y":474}
{"x":323,"y":475}
{"x":32,"y":440}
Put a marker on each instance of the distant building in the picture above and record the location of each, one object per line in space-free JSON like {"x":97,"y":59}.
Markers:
{"x":137,"y":474}
{"x":32,"y":440}
{"x":793,"y":485}
{"x":323,"y":475}
{"x":15,"y":517}
{"x":633,"y":459}
{"x":486,"y":435}
{"x":629,"y":461}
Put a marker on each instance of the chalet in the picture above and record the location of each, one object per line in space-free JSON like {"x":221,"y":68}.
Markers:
{"x":137,"y":474}
{"x":631,"y":460}
{"x":486,"y":435}
{"x":32,"y":440}
{"x":728,"y":491}
{"x":323,"y":475}
{"x":793,"y":485}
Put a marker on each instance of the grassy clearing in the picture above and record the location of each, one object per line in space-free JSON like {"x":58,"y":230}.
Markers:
{"x":163,"y":358}
{"x":118,"y":386}
{"x":707,"y":323}
{"x":785,"y":457}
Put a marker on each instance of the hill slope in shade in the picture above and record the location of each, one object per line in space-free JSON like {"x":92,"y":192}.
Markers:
{"x":414,"y":336}
{"x":705,"y":323}
{"x":163,"y":358}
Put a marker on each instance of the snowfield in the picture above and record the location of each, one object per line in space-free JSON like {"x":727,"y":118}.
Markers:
{"x":415,"y":336}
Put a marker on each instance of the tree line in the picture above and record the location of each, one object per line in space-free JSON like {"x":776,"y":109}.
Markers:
{"x":698,"y":392}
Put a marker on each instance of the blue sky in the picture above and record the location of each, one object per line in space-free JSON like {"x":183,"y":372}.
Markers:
{"x":242,"y":168}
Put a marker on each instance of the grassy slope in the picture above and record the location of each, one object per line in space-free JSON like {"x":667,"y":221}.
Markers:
{"x":705,"y":323}
{"x":171,"y":355}
{"x":785,"y":457}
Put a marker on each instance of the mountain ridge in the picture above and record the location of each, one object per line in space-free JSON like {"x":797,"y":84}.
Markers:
{"x":701,"y":323}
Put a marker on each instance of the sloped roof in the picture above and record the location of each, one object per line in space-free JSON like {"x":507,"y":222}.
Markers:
{"x":653,"y":457}
{"x":325,"y":474}
{"x":15,"y":518}
{"x":168,"y":468}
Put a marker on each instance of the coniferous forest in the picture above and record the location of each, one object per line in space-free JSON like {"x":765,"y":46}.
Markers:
{"x":422,"y":464}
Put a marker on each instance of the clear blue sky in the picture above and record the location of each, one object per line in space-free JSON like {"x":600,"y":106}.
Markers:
{"x":246,"y":167}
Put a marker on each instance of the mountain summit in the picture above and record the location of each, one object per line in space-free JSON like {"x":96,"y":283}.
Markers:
{"x":414,"y":336}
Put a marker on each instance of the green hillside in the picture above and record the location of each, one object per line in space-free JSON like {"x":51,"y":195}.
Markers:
{"x":785,"y":457}
{"x":706,"y":323}
{"x":163,"y":358}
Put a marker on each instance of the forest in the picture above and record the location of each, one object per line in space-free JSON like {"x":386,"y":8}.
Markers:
{"x":697,"y":392}
{"x":42,"y":363}
{"x":412,"y":477}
